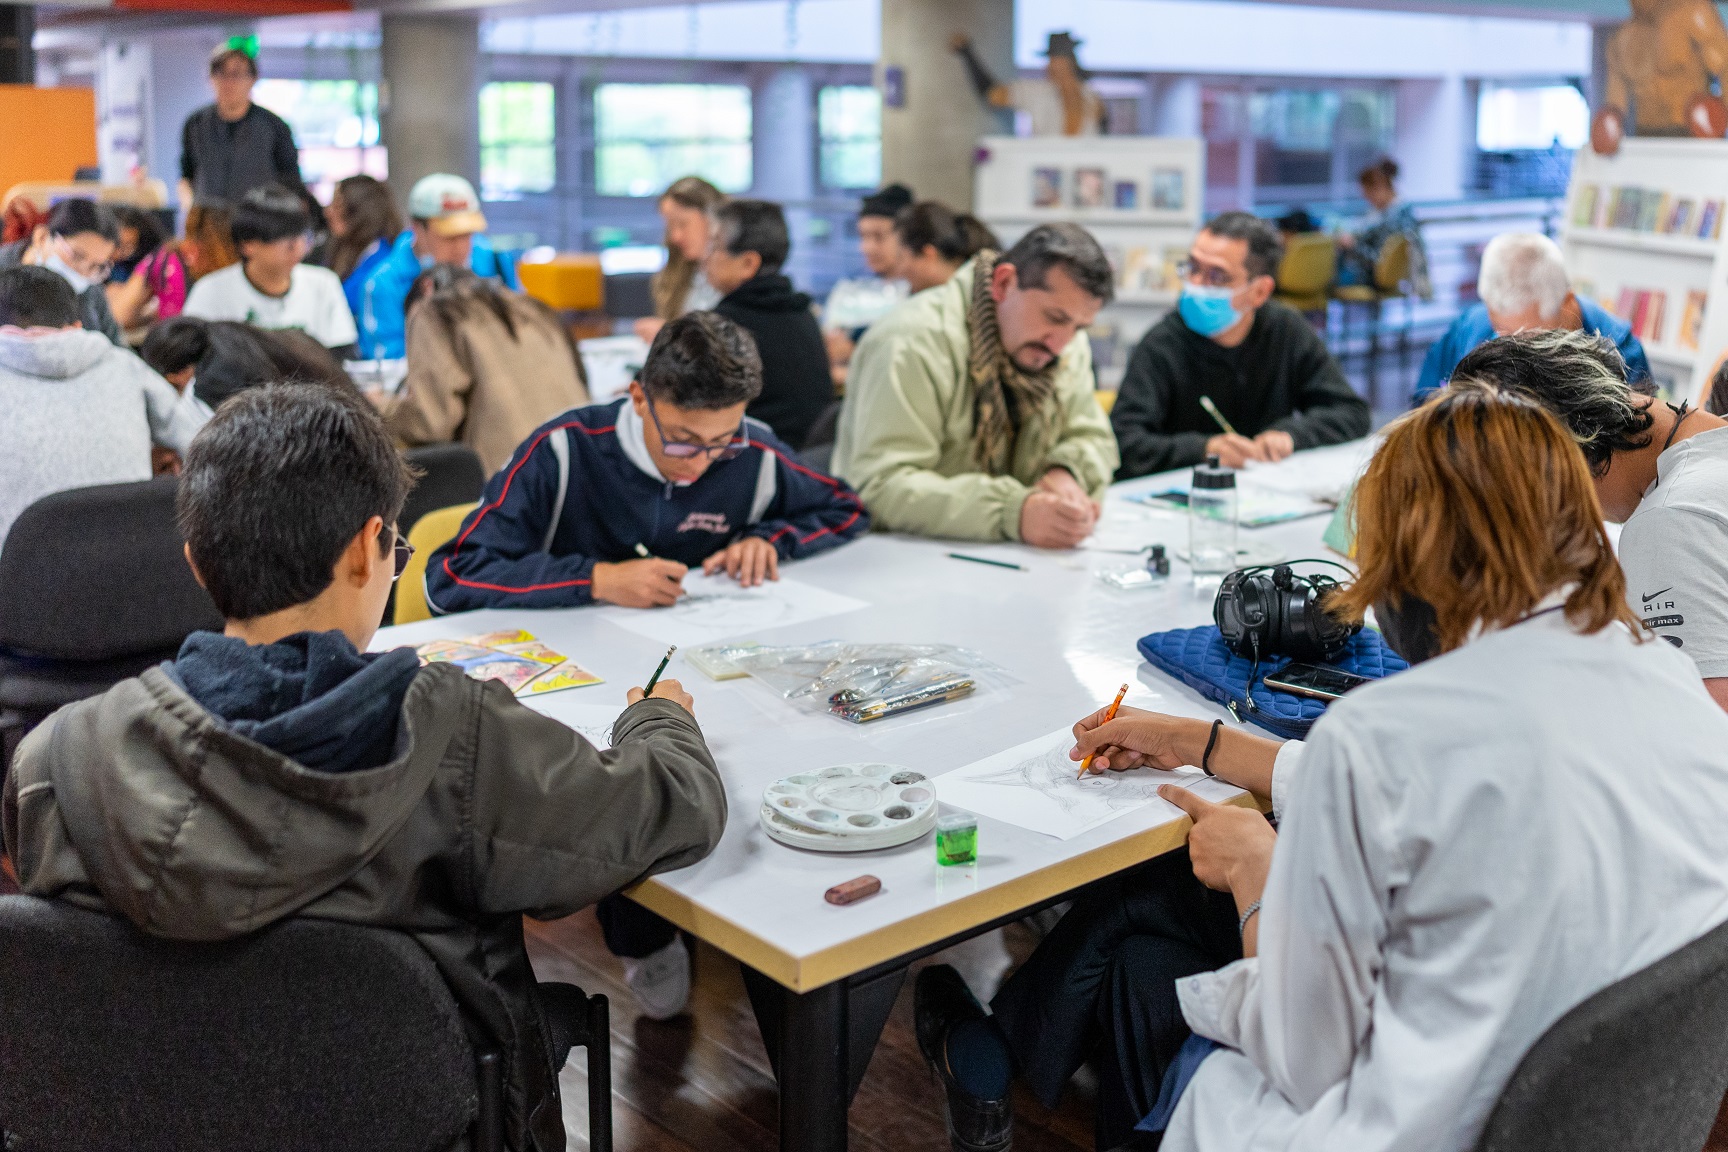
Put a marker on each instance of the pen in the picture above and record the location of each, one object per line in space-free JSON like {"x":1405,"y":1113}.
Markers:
{"x":642,"y":551}
{"x":1108,"y":716}
{"x":1212,"y":411}
{"x":992,"y":563}
{"x":655,"y":679}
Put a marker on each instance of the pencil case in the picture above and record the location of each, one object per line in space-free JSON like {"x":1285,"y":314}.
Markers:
{"x":1200,"y":659}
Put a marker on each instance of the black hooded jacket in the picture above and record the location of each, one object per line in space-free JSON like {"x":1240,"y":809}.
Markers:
{"x":796,"y":381}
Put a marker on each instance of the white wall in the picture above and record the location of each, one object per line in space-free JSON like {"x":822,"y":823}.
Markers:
{"x":1236,"y":38}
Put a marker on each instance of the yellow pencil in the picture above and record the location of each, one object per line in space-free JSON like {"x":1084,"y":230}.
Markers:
{"x":1108,"y":716}
{"x":1212,"y":411}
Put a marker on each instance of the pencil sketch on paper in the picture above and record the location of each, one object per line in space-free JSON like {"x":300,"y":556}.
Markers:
{"x":1052,"y":773}
{"x":718,"y":608}
{"x":1037,"y":787}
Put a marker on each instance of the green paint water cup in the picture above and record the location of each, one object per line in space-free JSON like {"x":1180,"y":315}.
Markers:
{"x":957,"y":839}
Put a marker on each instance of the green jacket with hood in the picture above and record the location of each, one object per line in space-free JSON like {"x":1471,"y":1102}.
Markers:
{"x":905,"y":436}
{"x":141,"y":802}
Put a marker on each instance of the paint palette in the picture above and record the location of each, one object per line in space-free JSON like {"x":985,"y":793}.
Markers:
{"x":850,"y":808}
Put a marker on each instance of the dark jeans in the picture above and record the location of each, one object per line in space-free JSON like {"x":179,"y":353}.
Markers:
{"x":631,"y":931}
{"x":1103,"y":985}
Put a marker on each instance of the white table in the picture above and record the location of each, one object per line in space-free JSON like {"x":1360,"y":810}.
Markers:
{"x":822,"y":978}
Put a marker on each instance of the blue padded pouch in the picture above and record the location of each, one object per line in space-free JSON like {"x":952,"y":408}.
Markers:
{"x":1198,"y":657}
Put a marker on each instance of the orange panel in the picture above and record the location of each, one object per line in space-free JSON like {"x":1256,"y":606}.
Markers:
{"x":52,"y":133}
{"x":569,"y":282}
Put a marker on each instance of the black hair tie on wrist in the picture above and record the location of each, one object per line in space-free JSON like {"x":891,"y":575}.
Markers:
{"x":1211,"y":741}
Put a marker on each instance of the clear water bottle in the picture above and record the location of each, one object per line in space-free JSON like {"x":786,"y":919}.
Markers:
{"x":1212,"y":521}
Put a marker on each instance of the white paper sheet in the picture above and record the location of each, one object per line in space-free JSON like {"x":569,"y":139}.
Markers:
{"x":1035,"y":786}
{"x":718,"y":607}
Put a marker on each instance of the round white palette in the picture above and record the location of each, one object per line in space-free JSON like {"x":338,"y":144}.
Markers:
{"x":850,"y":808}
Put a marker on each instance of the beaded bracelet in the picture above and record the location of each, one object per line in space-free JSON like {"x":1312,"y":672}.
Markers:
{"x":1247,"y":915}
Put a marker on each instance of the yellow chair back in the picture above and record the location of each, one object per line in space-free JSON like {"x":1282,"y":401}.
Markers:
{"x":1392,"y":267}
{"x":1106,"y":399}
{"x":427,"y":536}
{"x":1309,"y":266}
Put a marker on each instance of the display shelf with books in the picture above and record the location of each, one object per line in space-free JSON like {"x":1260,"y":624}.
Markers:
{"x":1138,"y":195}
{"x":1644,"y":239}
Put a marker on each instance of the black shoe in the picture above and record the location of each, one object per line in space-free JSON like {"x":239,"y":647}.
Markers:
{"x":941,"y":1001}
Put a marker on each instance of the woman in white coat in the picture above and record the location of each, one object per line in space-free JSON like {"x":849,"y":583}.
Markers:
{"x":1472,"y":847}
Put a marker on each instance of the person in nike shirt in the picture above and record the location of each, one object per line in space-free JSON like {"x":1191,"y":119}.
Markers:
{"x":1661,"y":469}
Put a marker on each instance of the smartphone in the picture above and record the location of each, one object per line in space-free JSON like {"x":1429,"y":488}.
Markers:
{"x":1320,"y":681}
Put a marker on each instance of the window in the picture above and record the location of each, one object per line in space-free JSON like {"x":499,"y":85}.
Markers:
{"x":1517,"y":119}
{"x":335,"y":123}
{"x":648,"y":135}
{"x":1270,"y":146}
{"x":849,"y":125}
{"x":518,"y":134}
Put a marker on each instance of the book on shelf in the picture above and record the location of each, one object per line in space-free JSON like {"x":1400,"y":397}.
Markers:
{"x":1584,"y":208}
{"x":1652,"y":209}
{"x":1680,"y":219}
{"x":1691,"y":320}
{"x":1710,"y":220}
{"x":1645,"y":310}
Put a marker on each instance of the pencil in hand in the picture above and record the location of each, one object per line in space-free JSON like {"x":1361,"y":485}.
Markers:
{"x":664,"y":660}
{"x":1086,"y":764}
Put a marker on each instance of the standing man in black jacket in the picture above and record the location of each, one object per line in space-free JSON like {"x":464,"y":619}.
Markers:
{"x":1258,"y":363}
{"x":233,"y":146}
{"x":749,"y":245}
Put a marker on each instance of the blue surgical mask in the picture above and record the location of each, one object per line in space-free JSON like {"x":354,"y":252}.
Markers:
{"x":66,"y":272}
{"x":1208,"y":310}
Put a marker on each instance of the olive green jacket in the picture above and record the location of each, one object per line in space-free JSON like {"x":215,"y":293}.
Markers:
{"x":140,"y":802}
{"x":905,"y":437}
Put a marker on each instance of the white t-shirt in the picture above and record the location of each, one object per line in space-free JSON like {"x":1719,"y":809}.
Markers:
{"x":1674,"y":549}
{"x":313,"y":303}
{"x":1041,"y":100}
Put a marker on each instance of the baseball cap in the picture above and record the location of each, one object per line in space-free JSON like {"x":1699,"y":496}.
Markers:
{"x":448,"y":204}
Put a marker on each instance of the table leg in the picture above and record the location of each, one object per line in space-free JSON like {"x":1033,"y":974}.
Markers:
{"x":813,"y":1070}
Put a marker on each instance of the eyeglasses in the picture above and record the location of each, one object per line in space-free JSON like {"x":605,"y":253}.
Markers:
{"x":81,"y":264}
{"x":404,"y":552}
{"x":1200,"y":273}
{"x":685,"y":449}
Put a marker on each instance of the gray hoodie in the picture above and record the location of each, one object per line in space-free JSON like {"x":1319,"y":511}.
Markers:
{"x":77,"y":411}
{"x":141,"y":802}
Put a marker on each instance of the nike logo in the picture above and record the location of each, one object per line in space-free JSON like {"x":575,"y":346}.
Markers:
{"x":1653,"y":595}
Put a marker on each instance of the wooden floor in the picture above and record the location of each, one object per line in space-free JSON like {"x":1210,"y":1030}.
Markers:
{"x":701,"y":1083}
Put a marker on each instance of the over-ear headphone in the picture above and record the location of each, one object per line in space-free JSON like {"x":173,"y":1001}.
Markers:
{"x":1271,"y":610}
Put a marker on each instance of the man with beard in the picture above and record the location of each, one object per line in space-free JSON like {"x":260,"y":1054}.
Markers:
{"x":970,"y":411}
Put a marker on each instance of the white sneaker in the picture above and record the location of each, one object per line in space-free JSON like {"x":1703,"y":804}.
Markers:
{"x":660,"y":981}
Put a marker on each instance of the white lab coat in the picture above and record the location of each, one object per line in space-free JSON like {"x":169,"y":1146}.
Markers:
{"x":1470,"y":849}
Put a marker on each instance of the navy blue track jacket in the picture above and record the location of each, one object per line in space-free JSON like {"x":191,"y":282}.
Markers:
{"x":583,"y":489}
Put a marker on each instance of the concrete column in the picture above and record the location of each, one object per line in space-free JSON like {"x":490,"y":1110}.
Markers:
{"x":929,"y":143}
{"x":431,"y":97}
{"x":784,"y":155}
{"x":1175,"y":106}
{"x":1434,"y":135}
{"x":1597,"y":82}
{"x":17,"y":57}
{"x":179,"y":86}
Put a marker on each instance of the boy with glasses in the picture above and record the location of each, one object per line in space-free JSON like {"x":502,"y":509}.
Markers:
{"x":270,"y":287}
{"x":77,"y":244}
{"x":616,"y":502}
{"x":280,"y":769}
{"x":1228,"y":342}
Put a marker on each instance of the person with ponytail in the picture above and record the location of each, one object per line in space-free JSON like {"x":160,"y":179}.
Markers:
{"x":937,"y":240}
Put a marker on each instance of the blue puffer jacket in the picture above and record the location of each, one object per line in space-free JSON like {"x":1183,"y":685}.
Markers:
{"x":583,"y":490}
{"x":383,"y":294}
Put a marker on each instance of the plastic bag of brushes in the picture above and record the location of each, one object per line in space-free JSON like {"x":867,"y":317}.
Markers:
{"x":864,"y":682}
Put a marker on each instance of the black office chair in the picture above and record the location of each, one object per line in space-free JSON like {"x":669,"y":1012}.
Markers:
{"x":96,"y":589}
{"x":311,"y":1034}
{"x":451,"y":474}
{"x":1639,"y":1067}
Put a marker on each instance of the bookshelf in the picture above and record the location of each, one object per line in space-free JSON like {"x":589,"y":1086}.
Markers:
{"x":1643,"y":237}
{"x":1140,"y":196}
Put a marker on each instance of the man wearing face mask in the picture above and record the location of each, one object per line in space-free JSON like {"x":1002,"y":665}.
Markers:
{"x":77,"y":244}
{"x":970,"y":411}
{"x":1258,"y":363}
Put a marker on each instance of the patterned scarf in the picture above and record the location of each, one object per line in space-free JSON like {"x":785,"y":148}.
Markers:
{"x":1007,"y":397}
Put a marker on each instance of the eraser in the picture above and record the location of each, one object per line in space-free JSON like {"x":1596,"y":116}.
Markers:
{"x":853,"y":890}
